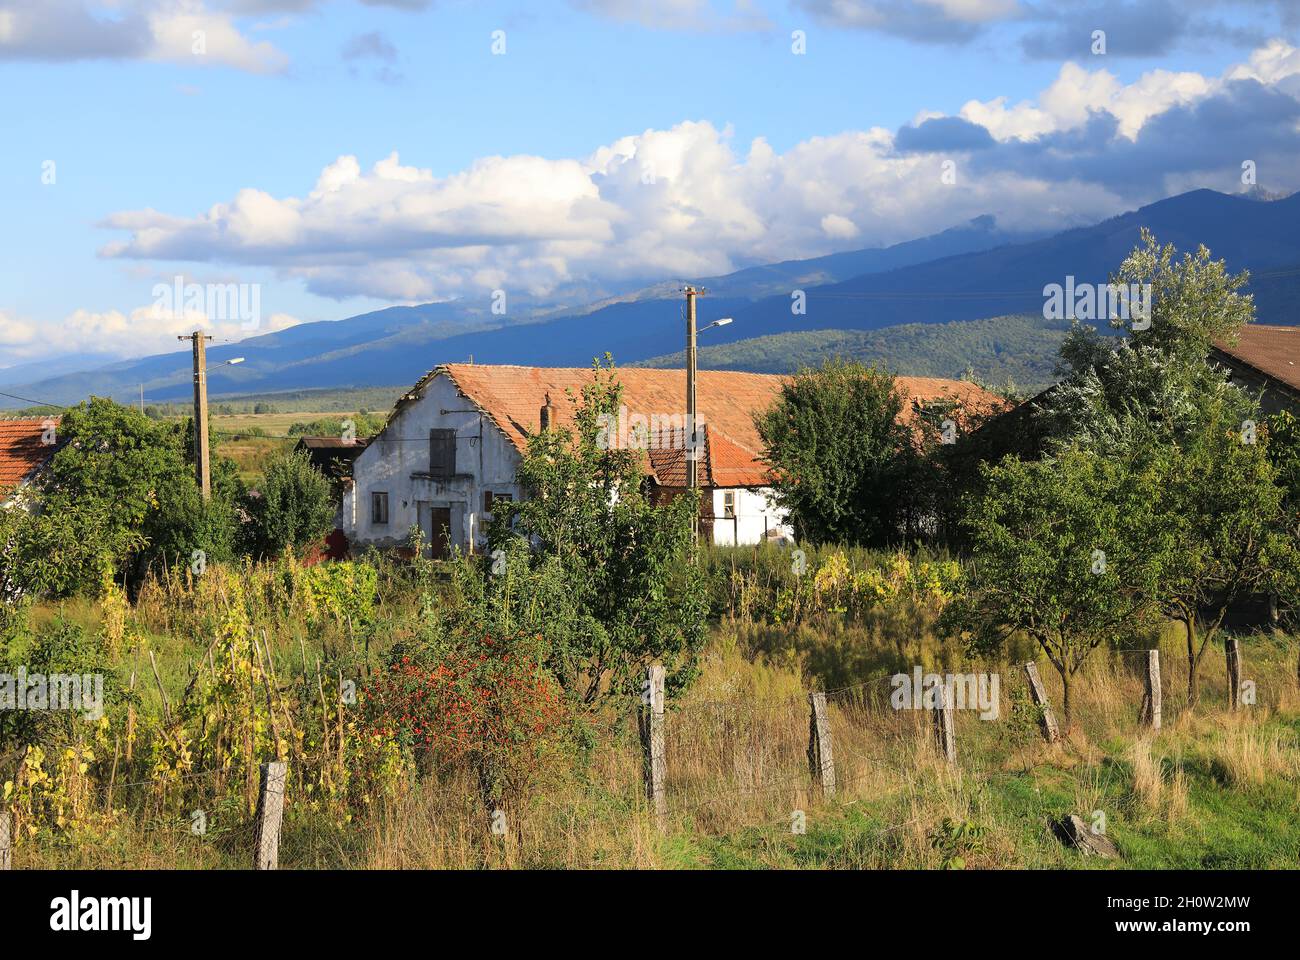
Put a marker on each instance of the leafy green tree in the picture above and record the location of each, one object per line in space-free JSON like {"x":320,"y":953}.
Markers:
{"x":1067,"y":551}
{"x":1223,"y":505}
{"x":293,"y":509}
{"x":58,"y":552}
{"x":1154,"y":397}
{"x":588,"y":560}
{"x":139,"y":473}
{"x":1155,"y":382}
{"x":839,"y":457}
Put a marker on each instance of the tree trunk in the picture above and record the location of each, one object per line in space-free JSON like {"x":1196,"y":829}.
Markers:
{"x":1189,"y":622}
{"x":1065,"y":692}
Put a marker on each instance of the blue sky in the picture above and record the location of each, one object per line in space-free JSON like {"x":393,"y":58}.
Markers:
{"x":225,"y":165}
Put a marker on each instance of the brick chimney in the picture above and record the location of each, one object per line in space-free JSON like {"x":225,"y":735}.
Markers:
{"x":548,"y":414}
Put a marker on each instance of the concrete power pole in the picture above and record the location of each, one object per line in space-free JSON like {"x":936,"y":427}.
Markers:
{"x":201,"y":469}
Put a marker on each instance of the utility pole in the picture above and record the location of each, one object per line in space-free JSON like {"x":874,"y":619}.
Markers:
{"x":692,"y":448}
{"x":200,"y":411}
{"x":692,"y":452}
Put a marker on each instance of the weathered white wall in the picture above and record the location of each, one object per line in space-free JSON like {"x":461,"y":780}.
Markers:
{"x":397,"y":460}
{"x":756,"y":516}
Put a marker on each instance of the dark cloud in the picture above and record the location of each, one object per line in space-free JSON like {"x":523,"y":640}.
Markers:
{"x":941,"y":134}
{"x":400,"y":4}
{"x":912,"y":20}
{"x":67,"y":30}
{"x":1133,"y":29}
{"x":1205,"y":141}
{"x":370,"y":46}
{"x":1055,"y":29}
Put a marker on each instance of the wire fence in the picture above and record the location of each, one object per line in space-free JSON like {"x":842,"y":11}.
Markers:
{"x":747,"y":762}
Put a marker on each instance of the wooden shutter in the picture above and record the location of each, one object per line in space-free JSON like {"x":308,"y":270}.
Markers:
{"x":442,"y":453}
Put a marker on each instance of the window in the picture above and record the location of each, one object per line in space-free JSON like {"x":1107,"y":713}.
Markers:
{"x":729,"y":503}
{"x":442,"y":453}
{"x":489,"y":498}
{"x":378,"y":507}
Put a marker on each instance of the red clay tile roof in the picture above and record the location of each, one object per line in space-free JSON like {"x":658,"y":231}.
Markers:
{"x":1273,"y":351}
{"x":512,"y":398}
{"x":723,"y":463}
{"x":22,"y":449}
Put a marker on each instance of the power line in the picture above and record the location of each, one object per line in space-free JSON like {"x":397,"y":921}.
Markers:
{"x":36,"y":403}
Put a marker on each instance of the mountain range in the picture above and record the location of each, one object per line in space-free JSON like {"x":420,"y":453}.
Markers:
{"x":972,"y":272}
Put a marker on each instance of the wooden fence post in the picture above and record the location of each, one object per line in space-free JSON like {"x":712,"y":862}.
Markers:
{"x":270,"y":811}
{"x":1046,"y":719}
{"x":1150,"y":714}
{"x":651,"y":722}
{"x":1233,"y":653}
{"x":820,"y":759}
{"x":943,"y":724}
{"x":6,"y":854}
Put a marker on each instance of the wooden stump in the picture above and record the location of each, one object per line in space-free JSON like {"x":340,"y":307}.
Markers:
{"x":1073,"y":832}
{"x":820,"y":759}
{"x":1046,"y":719}
{"x":1150,"y":713}
{"x":651,"y":723}
{"x":270,"y":812}
{"x":944,"y":733}
{"x":1232,"y":651}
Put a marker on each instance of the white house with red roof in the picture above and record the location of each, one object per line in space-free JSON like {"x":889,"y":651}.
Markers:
{"x":453,"y":443}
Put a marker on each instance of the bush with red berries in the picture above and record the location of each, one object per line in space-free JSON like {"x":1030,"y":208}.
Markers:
{"x":482,"y":703}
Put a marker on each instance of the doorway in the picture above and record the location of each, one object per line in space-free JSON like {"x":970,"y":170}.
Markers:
{"x":435,"y":525}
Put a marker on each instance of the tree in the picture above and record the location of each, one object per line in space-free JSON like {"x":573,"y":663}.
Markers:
{"x":838,"y":454}
{"x":1154,"y":397}
{"x":293,"y":509}
{"x":1155,"y":381}
{"x":1065,"y":550}
{"x":1221,"y":502}
{"x":60,"y":552}
{"x":138,"y":472}
{"x":588,"y":560}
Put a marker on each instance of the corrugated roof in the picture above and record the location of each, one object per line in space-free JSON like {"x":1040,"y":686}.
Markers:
{"x":23,"y":448}
{"x":1273,"y":351}
{"x":512,"y":398}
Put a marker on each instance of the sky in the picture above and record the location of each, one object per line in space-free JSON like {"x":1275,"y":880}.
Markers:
{"x":337,"y":156}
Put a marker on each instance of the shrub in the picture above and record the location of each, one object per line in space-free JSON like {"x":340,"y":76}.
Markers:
{"x":483,"y":703}
{"x":293,"y":511}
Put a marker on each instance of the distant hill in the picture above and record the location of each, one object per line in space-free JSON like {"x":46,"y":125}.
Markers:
{"x":1003,"y":280}
{"x":1018,"y":350}
{"x":969,"y":273}
{"x":398,"y":344}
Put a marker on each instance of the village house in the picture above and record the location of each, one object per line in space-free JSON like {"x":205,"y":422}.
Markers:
{"x":26,"y":446}
{"x":1265,"y":362}
{"x":452,"y":445}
